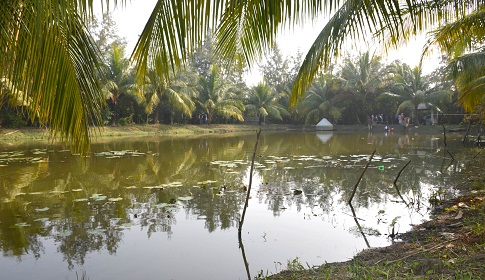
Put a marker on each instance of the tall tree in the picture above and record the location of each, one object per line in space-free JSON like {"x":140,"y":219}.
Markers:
{"x":105,"y":33}
{"x":363,"y":78}
{"x":276,"y":69}
{"x":119,"y":80}
{"x":263,"y":100}
{"x":155,"y":87}
{"x":218,"y":98}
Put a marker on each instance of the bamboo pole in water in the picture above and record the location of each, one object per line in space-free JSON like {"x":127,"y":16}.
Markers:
{"x":250,"y":182}
{"x":395,"y":182}
{"x":360,"y":178}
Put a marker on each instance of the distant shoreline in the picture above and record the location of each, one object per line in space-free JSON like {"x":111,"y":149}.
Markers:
{"x":43,"y":134}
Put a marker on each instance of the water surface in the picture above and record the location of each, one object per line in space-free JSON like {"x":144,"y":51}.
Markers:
{"x":168,"y":208}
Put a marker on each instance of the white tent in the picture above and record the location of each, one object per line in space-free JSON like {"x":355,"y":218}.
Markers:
{"x":324,"y":124}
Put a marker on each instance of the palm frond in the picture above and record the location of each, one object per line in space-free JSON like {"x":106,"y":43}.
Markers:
{"x":50,"y":57}
{"x":351,"y":21}
{"x":469,"y":74}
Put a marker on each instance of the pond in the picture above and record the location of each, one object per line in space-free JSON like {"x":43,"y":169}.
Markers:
{"x":169,"y":208}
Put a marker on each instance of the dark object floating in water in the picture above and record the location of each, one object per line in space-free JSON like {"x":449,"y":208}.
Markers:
{"x":297,"y":192}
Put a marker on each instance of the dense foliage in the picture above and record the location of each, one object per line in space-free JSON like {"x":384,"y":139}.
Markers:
{"x":58,"y":72}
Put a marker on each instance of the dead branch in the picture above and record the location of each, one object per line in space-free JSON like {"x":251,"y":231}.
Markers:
{"x":395,"y":182}
{"x":360,"y":178}
{"x":250,"y":182}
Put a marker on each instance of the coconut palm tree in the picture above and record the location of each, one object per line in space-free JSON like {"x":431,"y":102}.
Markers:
{"x":177,"y":92}
{"x":263,"y":100}
{"x":218,"y":98}
{"x":363,"y":78}
{"x":246,"y":28}
{"x":40,"y":39}
{"x":469,"y":75}
{"x":119,"y":80}
{"x":317,"y":103}
{"x":49,"y":57}
{"x":411,"y":88}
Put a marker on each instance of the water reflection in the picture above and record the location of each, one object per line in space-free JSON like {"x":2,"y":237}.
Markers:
{"x":176,"y":187}
{"x":324,"y":136}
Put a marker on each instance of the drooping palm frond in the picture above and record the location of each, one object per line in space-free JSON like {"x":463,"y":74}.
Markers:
{"x":469,"y":75}
{"x":459,"y":36}
{"x":353,"y":20}
{"x":174,"y":29}
{"x":50,"y":58}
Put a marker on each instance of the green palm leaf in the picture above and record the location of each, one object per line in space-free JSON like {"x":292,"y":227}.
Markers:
{"x":50,"y":58}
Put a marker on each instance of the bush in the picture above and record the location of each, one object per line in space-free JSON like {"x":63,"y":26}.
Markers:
{"x":11,"y":119}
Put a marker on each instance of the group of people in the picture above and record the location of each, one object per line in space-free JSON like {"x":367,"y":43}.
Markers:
{"x":375,"y":119}
{"x":381,"y":118}
{"x":202,"y":118}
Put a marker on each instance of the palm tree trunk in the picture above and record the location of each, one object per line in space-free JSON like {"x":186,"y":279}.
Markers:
{"x":114,"y":108}
{"x":414,"y":115}
{"x":157,"y":114}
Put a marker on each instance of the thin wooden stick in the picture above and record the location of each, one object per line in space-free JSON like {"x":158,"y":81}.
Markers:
{"x":452,"y":157}
{"x":250,"y":182}
{"x":444,"y":141}
{"x":358,"y":225}
{"x":466,"y":133}
{"x":395,"y":182}
{"x":246,"y":263}
{"x":360,"y":178}
{"x":444,"y":134}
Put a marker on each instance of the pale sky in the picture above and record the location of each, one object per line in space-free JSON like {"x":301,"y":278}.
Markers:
{"x":131,"y":21}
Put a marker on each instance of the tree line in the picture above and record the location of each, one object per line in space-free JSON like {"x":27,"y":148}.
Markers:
{"x":53,"y":69}
{"x":210,"y":90}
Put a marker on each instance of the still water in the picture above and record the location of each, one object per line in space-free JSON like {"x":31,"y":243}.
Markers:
{"x":168,"y":208}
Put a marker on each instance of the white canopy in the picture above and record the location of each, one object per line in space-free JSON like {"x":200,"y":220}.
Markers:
{"x":324,"y":124}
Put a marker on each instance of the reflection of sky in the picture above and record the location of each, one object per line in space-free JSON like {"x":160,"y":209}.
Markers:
{"x":313,"y":233}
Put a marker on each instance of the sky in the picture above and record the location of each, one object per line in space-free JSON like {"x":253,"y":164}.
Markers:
{"x":132,"y":18}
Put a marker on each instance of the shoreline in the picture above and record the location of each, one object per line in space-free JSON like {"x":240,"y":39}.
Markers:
{"x":38,"y":134}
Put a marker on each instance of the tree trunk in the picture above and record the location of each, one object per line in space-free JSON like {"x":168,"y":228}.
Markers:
{"x":157,"y":114}
{"x":414,"y":116}
{"x":115,"y":113}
